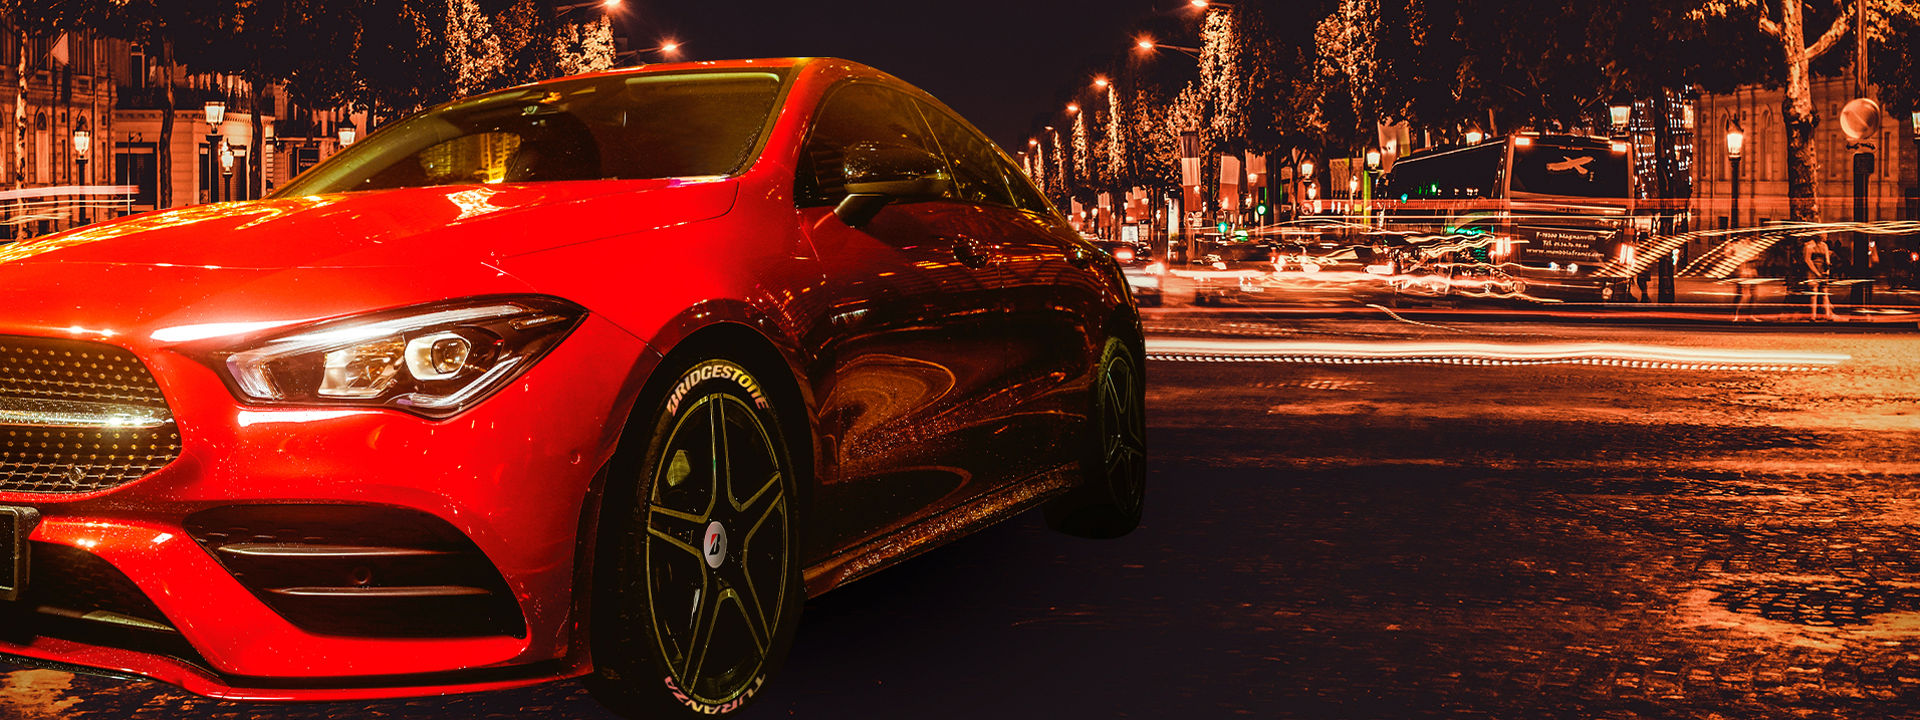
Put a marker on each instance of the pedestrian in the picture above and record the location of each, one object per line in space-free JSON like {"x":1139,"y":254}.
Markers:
{"x":1745,"y":276}
{"x":1818,"y":261}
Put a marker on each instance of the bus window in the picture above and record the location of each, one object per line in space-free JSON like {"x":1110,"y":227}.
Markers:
{"x":1451,"y":175}
{"x":1547,"y":169}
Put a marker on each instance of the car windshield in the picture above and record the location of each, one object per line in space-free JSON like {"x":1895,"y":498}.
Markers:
{"x":629,"y":127}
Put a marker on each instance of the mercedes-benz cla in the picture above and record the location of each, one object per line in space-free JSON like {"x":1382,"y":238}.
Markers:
{"x":597,"y":377}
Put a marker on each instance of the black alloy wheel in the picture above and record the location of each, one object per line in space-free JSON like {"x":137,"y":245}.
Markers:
{"x":1111,"y":496}
{"x":703,"y":589}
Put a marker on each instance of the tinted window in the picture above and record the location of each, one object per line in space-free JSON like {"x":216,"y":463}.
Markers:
{"x":979,"y":172}
{"x":852,"y":115}
{"x":1574,"y":171}
{"x":627,"y":127}
{"x":1455,"y":174}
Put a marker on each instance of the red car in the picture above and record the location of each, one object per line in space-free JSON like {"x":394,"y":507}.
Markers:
{"x":598,"y":377}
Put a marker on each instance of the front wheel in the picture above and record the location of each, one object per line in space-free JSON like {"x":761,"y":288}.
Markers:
{"x":699,"y":590}
{"x":1112,"y":490}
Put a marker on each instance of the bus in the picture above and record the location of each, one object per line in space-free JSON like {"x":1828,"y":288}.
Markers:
{"x":1554,"y":213}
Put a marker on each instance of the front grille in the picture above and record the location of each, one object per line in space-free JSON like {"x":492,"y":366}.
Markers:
{"x":78,"y":417}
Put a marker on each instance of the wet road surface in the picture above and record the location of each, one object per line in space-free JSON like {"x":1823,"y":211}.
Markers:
{"x":1387,"y":541}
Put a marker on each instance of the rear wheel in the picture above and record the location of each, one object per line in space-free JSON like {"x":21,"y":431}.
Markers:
{"x":1112,"y":491}
{"x":700,"y":591}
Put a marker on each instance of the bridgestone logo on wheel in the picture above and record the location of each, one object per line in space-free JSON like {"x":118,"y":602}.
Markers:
{"x":704,"y":373}
{"x":721,"y":709}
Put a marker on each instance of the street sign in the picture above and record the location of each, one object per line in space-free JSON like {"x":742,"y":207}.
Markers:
{"x":1860,"y":119}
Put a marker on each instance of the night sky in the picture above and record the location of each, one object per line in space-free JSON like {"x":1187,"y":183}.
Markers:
{"x":1001,"y":63}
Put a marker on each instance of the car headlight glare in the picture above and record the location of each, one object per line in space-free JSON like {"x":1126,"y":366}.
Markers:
{"x":432,"y":360}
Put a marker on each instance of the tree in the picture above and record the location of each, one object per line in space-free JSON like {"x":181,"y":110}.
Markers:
{"x":475,"y":58}
{"x":584,"y":47}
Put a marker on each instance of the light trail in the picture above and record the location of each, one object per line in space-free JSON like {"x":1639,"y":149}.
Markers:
{"x":1651,"y":357}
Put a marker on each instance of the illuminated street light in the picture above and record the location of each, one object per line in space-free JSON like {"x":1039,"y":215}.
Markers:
{"x":1147,"y":44}
{"x":1620,"y":114}
{"x":347,"y":135}
{"x":1306,"y":169}
{"x":1736,"y":141}
{"x":1475,"y":136}
{"x":1073,"y":108}
{"x":1373,"y":159}
{"x":216,"y":113}
{"x":1101,"y":82}
{"x":82,"y":142}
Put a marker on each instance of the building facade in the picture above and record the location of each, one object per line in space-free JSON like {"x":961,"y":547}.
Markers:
{"x":54,"y":87}
{"x":54,"y":90}
{"x":1763,"y":167}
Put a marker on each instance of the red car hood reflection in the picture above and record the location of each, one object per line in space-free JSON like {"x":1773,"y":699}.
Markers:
{"x":408,"y":227}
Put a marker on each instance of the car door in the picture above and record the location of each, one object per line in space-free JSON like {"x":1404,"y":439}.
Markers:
{"x":1050,"y":298}
{"x":913,"y":338}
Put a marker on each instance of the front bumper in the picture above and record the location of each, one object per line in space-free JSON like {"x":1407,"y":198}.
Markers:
{"x":512,"y":475}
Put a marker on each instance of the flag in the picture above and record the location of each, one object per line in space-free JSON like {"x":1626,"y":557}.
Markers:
{"x":60,"y":49}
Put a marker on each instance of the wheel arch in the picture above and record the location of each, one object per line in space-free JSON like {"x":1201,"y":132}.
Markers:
{"x":775,"y":368}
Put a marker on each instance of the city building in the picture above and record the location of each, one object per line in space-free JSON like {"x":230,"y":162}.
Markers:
{"x":59,"y":94}
{"x":1755,"y":112}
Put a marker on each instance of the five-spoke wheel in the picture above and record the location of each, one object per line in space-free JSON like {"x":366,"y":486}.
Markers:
{"x":705,"y":588}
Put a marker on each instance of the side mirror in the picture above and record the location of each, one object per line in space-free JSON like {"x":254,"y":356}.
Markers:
{"x":878,"y":174}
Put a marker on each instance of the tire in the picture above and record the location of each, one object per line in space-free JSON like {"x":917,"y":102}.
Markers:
{"x":1112,"y":491}
{"x":698,"y":588}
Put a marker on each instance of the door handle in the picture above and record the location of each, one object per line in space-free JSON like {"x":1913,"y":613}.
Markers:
{"x":971,"y":253}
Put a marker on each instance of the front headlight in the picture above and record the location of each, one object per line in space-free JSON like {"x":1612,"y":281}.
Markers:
{"x":432,"y":360}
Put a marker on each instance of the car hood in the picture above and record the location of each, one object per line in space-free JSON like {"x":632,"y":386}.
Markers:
{"x":435,"y":226}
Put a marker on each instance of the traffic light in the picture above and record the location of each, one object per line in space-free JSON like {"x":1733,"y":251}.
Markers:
{"x":1225,"y":226}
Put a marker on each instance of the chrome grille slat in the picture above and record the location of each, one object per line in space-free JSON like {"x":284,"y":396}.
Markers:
{"x":80,"y":379}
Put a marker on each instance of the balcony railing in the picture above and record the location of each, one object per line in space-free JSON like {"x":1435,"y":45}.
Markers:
{"x":155,"y":98}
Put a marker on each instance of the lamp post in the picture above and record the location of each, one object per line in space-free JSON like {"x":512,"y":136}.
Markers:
{"x":1147,"y":44}
{"x":1475,"y":136}
{"x":1620,"y":115}
{"x":1736,"y":141}
{"x":348,"y":135}
{"x":226,"y":165}
{"x":1366,"y":190}
{"x":82,"y":142}
{"x":216,"y":113}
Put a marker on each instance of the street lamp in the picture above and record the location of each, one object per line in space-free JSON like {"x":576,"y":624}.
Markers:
{"x":1073,"y":107}
{"x":1100,"y":81}
{"x":606,"y":4}
{"x":1620,"y":114}
{"x":82,"y":142}
{"x":226,"y":163}
{"x":1475,"y":136}
{"x":1736,"y":141}
{"x":348,"y":135}
{"x":1148,"y":44}
{"x":216,"y":112}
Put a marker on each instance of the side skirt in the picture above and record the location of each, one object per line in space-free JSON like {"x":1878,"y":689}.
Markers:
{"x":900,"y":545}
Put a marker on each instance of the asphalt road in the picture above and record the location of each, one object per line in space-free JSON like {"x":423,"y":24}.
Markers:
{"x":1389,"y":541}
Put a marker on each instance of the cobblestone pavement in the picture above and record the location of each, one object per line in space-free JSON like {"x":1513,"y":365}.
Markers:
{"x":1388,"y":542}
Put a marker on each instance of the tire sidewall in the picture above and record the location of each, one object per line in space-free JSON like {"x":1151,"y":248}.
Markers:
{"x":631,"y":675}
